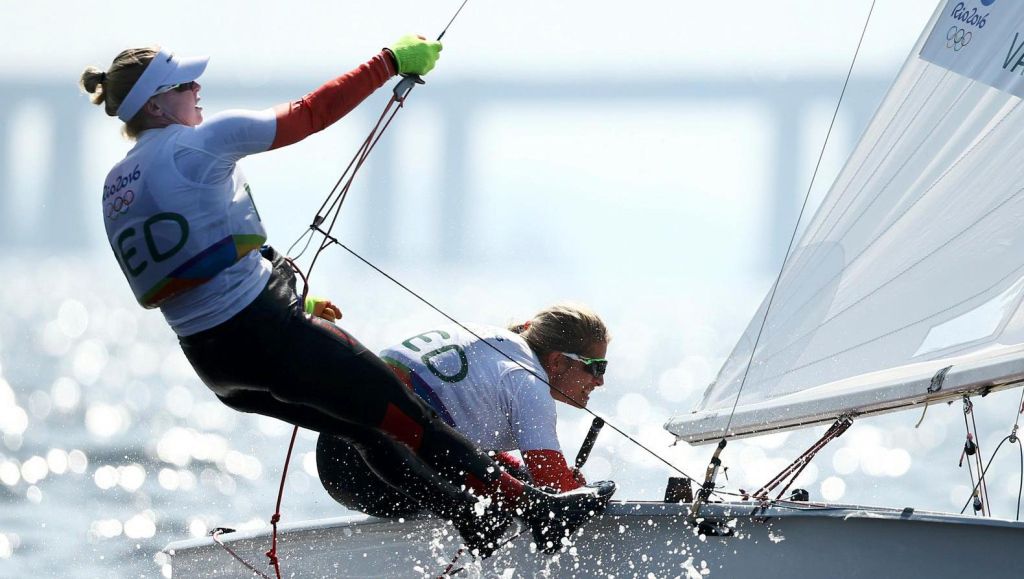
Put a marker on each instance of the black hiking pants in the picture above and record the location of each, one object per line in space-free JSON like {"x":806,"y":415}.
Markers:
{"x":273,"y":359}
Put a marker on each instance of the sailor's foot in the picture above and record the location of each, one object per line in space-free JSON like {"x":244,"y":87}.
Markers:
{"x":554,"y":517}
{"x":482,"y":531}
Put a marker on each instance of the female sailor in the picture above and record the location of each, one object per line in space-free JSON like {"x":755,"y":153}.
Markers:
{"x":181,"y":221}
{"x":498,"y":387}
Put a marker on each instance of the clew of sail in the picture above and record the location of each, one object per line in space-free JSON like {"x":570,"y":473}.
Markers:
{"x":906,"y":285}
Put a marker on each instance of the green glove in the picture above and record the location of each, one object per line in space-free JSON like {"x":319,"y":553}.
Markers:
{"x":322,"y":308}
{"x":311,"y":302}
{"x":414,"y":55}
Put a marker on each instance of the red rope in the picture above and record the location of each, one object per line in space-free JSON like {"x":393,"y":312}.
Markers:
{"x":332,"y":207}
{"x":355,"y":164}
{"x":272,"y":553}
{"x":357,"y":161}
{"x":216,"y":539}
{"x":448,"y":570}
{"x":335,"y":207}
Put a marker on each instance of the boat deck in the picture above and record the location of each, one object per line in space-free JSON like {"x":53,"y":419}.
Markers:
{"x":635,"y":539}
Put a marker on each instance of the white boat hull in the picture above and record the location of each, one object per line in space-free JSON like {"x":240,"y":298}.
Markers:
{"x":638,"y":539}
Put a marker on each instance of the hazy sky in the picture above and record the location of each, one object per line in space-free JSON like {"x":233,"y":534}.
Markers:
{"x":544,"y":37}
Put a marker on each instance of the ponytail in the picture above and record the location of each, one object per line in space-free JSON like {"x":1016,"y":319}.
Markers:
{"x":109,"y":88}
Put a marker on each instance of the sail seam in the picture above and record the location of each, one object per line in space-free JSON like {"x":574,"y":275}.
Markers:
{"x":816,"y":252}
{"x":889,"y":227}
{"x":1015,"y":272}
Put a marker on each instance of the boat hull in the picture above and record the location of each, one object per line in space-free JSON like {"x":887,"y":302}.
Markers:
{"x":640,"y":539}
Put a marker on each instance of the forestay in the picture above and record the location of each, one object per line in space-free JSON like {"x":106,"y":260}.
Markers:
{"x":914,"y":262}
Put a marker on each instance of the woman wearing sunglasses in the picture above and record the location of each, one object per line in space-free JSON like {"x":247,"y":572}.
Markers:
{"x":181,"y":221}
{"x":496,"y":386}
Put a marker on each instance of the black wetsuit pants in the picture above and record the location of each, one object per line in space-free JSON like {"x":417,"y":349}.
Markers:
{"x":273,"y":359}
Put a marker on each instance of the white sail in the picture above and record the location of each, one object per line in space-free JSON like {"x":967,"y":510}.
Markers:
{"x":914,"y":262}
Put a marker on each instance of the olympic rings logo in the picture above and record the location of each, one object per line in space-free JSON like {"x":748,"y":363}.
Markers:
{"x":120,"y":204}
{"x":957,"y":38}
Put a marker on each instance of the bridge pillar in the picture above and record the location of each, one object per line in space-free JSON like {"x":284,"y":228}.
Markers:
{"x":787,"y":188}
{"x":453,"y":212}
{"x":61,"y":223}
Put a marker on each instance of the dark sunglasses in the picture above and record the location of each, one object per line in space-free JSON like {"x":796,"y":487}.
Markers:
{"x":180,"y":87}
{"x":596,"y":366}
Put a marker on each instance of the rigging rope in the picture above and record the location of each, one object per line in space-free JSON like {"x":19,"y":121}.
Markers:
{"x":984,"y":484}
{"x":919,"y":108}
{"x":339,"y":193}
{"x":272,"y":553}
{"x":796,"y":227}
{"x":972,"y":449}
{"x":448,"y":572}
{"x":1020,"y":487}
{"x":216,"y":539}
{"x":496,"y":349}
{"x":333,"y":203}
{"x":983,"y":472}
{"x":712,"y":470}
{"x":979,"y":489}
{"x":795,"y":468}
{"x":1016,"y":439}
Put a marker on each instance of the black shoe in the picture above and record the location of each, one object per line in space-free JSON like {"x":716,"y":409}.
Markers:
{"x":553,"y":517}
{"x":481,"y":533}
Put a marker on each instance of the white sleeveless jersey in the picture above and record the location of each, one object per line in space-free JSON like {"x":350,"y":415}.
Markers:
{"x":494,"y":401}
{"x":181,"y":221}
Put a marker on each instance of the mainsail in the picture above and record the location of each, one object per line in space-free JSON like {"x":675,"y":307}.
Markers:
{"x":906,"y":285}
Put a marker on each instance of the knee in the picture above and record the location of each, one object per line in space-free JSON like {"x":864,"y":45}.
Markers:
{"x":402,"y":427}
{"x":348,"y":479}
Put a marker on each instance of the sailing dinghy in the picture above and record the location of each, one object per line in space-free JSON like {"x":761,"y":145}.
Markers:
{"x":904,"y":289}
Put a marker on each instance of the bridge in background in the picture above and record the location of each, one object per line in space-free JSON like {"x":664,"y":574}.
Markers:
{"x":66,"y":194}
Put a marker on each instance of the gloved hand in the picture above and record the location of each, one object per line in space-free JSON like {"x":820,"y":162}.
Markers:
{"x":322,"y":308}
{"x":415,"y":54}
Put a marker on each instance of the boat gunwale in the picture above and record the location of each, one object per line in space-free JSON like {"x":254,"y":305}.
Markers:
{"x":619,"y":509}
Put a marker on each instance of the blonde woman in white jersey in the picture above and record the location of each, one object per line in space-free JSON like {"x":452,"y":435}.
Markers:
{"x":496,"y":386}
{"x":181,"y":221}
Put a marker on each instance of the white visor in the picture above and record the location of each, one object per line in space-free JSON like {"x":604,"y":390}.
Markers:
{"x":164,"y":70}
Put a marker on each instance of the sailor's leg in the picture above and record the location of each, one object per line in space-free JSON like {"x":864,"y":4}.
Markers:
{"x":343,"y":471}
{"x":336,"y":373}
{"x":389,"y":462}
{"x":365,"y":469}
{"x":358,"y":455}
{"x":349,"y":480}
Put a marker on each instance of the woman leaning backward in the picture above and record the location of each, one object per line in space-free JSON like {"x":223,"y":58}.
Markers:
{"x":180,"y":219}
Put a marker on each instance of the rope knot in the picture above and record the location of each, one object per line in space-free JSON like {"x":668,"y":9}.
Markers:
{"x":275,"y":519}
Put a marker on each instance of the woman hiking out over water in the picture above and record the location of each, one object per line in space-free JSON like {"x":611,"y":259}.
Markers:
{"x":180,"y":219}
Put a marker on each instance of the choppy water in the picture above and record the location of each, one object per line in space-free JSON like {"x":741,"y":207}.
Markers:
{"x":111,"y":448}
